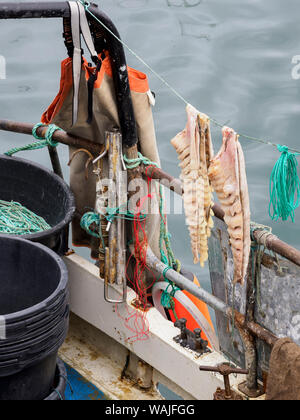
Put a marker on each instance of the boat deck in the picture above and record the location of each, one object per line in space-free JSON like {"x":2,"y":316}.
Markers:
{"x":80,"y":389}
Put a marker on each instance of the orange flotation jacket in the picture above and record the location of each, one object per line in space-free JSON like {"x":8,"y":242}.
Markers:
{"x":182,"y":312}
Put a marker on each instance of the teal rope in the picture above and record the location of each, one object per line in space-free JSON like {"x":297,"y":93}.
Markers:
{"x":116,"y":212}
{"x":167,"y":298}
{"x":284,"y":186}
{"x":164,"y":234}
{"x":16,"y":219}
{"x":90,"y":218}
{"x":134,"y":163}
{"x":41,"y":141}
{"x":87,"y":220}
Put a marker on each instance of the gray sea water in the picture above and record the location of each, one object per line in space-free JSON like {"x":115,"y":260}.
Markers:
{"x":231,"y":59}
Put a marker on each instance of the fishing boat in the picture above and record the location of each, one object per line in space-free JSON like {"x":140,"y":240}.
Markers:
{"x":169,"y":359}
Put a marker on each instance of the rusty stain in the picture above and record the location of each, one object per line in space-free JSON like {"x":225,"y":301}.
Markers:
{"x":94,"y":356}
{"x":137,"y":304}
{"x":69,"y":253}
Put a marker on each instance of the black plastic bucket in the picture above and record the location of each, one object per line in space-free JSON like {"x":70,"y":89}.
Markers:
{"x":32,"y":278}
{"x":60,"y":383}
{"x":42,"y":192}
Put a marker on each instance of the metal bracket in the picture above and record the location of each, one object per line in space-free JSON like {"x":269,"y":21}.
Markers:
{"x":190,"y":339}
{"x":115,"y":254}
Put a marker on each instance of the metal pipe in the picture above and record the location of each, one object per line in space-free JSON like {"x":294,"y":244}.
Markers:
{"x":60,"y":136}
{"x":273,"y":243}
{"x":155,"y":264}
{"x":55,"y":161}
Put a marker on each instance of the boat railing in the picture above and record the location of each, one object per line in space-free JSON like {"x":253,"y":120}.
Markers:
{"x":248,"y":328}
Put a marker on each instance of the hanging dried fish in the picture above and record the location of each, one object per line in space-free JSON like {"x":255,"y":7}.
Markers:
{"x":227,"y":174}
{"x":194,"y":148}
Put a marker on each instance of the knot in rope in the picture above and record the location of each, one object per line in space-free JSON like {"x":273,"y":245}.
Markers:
{"x":265,"y":232}
{"x":52,"y":128}
{"x":282,"y":148}
{"x":134,"y":163}
{"x":167,"y":297}
{"x":41,"y":141}
{"x":87,"y":220}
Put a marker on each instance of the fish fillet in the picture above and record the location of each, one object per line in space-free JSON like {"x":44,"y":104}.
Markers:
{"x":194,"y":148}
{"x":227,"y":175}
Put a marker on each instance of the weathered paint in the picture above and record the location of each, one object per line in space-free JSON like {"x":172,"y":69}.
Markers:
{"x":279,"y":309}
{"x":80,"y":389}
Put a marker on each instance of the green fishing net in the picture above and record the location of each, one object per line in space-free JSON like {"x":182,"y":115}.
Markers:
{"x":16,"y":219}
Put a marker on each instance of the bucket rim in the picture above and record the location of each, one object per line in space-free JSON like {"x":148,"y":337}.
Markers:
{"x":60,"y":382}
{"x":71,"y":199}
{"x":62,"y":285}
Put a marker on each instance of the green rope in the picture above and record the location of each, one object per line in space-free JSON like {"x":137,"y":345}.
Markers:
{"x":284,"y":186}
{"x":16,"y":219}
{"x":167,"y":298}
{"x":165,"y":237}
{"x":93,"y":218}
{"x":134,"y":163}
{"x":41,"y":141}
{"x":87,"y":220}
{"x":116,"y":212}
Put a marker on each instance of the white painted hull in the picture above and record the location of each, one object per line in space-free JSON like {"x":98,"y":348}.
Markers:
{"x":98,"y":346}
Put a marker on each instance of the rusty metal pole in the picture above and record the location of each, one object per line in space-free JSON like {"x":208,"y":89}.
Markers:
{"x":251,"y":387}
{"x":60,"y":136}
{"x":155,"y":264}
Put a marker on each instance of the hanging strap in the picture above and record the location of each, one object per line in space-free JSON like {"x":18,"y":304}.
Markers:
{"x":80,"y":25}
{"x":86,"y":32}
{"x":77,"y":56}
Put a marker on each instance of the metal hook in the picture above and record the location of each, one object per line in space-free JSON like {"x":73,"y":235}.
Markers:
{"x":89,"y":161}
{"x":107,"y":283}
{"x":102,"y":154}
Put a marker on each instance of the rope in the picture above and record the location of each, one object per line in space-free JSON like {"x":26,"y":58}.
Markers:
{"x":16,"y":219}
{"x":284,"y":186}
{"x":92,"y":218}
{"x":167,"y":298}
{"x":135,"y":163}
{"x":89,"y":219}
{"x":87,"y":4}
{"x":258,"y":249}
{"x":164,"y":234}
{"x":41,"y":141}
